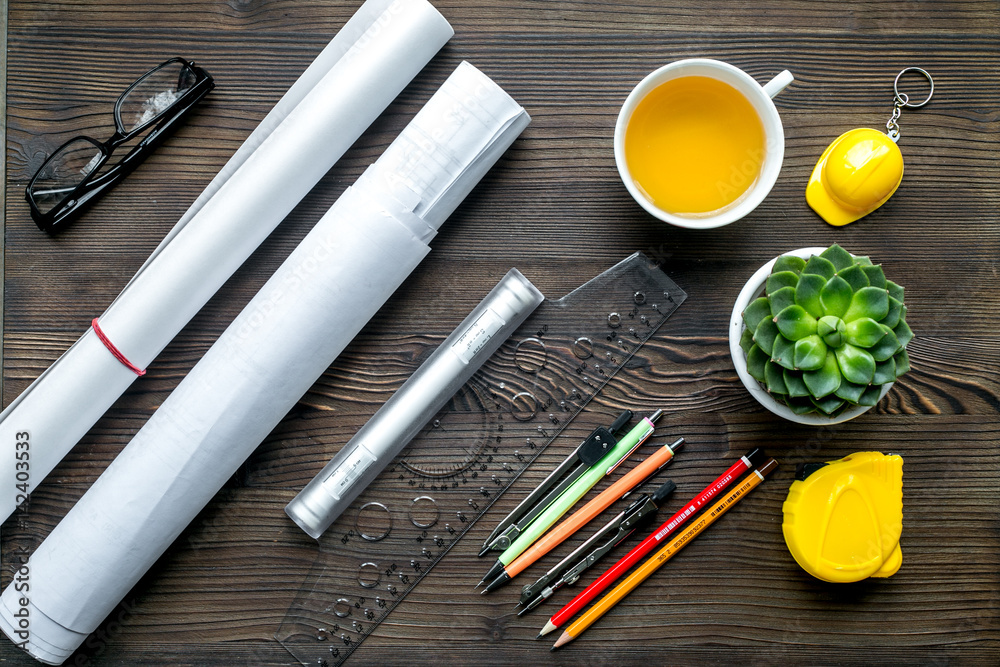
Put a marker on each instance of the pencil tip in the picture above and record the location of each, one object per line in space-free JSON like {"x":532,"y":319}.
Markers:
{"x":564,"y":639}
{"x":494,"y":572}
{"x":549,"y":627}
{"x":498,"y":582}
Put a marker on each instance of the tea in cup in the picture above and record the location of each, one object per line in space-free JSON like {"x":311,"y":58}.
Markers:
{"x":699,"y":143}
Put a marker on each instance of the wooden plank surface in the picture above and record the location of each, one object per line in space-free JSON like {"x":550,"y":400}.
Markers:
{"x":555,"y":208}
{"x":3,"y":151}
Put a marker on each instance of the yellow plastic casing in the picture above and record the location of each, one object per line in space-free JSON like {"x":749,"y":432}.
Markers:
{"x":842,"y":523}
{"x":856,"y":174}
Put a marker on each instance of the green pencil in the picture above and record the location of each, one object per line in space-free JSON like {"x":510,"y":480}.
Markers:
{"x":577,"y":490}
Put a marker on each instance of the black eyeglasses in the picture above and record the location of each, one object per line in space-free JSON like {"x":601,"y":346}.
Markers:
{"x":77,"y":173}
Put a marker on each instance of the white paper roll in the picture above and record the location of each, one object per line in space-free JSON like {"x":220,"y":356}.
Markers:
{"x":353,"y":80}
{"x":303,"y":317}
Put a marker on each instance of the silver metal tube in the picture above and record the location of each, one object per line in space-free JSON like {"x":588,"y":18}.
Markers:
{"x":420,"y":398}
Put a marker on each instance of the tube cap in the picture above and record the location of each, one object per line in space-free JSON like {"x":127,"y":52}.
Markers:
{"x":664,"y":492}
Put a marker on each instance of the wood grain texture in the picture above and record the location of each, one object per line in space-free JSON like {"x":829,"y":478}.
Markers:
{"x":3,"y":148}
{"x":555,"y":208}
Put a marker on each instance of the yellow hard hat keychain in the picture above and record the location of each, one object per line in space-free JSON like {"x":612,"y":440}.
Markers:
{"x":862,"y":168}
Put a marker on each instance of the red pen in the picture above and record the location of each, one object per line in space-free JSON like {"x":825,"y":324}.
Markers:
{"x":747,"y":462}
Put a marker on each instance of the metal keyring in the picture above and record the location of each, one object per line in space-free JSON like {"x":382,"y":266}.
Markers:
{"x":903,"y":98}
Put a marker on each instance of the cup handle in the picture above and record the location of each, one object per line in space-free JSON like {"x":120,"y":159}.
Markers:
{"x":778,"y":83}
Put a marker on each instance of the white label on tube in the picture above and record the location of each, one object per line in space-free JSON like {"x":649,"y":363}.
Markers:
{"x":477,"y":335}
{"x":347,"y":472}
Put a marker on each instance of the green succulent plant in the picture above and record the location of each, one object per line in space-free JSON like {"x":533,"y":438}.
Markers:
{"x":829,"y":332}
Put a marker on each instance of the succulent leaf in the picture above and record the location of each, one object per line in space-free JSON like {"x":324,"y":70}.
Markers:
{"x":782,"y":352}
{"x":795,"y":323}
{"x":827,"y":324}
{"x":836,"y":296}
{"x":876,"y":278}
{"x":807,"y":293}
{"x":789,"y":263}
{"x":862,"y":260}
{"x":871,"y":395}
{"x":855,"y":277}
{"x":895,"y":310}
{"x":756,"y":358}
{"x":831,"y":328}
{"x":902,"y":360}
{"x":870,"y":302}
{"x":895,"y":291}
{"x":863,"y":332}
{"x":765,"y":334}
{"x":885,"y":348}
{"x":826,"y":380}
{"x":746,"y":340}
{"x":856,"y":365}
{"x":810,"y":353}
{"x":840,"y":258}
{"x":774,"y":379}
{"x":755,"y":312}
{"x":885,"y":371}
{"x":795,"y":384}
{"x":828,"y":405}
{"x":776,"y":281}
{"x":820,"y":266}
{"x":781,"y":299}
{"x":850,"y":392}
{"x":802,"y":406}
{"x":903,"y":332}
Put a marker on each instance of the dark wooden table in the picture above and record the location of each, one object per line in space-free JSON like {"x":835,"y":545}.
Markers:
{"x":555,"y":208}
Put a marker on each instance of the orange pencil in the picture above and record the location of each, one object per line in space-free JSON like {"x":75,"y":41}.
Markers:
{"x":651,"y":565}
{"x":579,"y":519}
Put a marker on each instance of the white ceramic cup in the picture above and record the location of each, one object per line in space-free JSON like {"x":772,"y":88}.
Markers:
{"x":759,"y":96}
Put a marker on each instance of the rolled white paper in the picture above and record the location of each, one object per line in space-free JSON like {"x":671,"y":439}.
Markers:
{"x":377,"y":53}
{"x":292,"y":330}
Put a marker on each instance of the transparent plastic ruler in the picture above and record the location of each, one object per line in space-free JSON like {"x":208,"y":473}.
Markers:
{"x":402,"y":525}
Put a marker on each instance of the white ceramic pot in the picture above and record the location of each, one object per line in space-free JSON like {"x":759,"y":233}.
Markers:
{"x":753,"y":289}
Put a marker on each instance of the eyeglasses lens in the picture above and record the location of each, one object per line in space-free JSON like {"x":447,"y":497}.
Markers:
{"x":154,"y":95}
{"x":63,"y":172}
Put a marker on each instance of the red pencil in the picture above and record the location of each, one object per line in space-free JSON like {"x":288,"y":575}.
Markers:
{"x":747,"y":462}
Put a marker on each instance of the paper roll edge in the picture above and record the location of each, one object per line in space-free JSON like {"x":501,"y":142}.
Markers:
{"x":46,"y":640}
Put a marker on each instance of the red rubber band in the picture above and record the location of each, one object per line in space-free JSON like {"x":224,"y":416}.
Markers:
{"x":114,"y":350}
